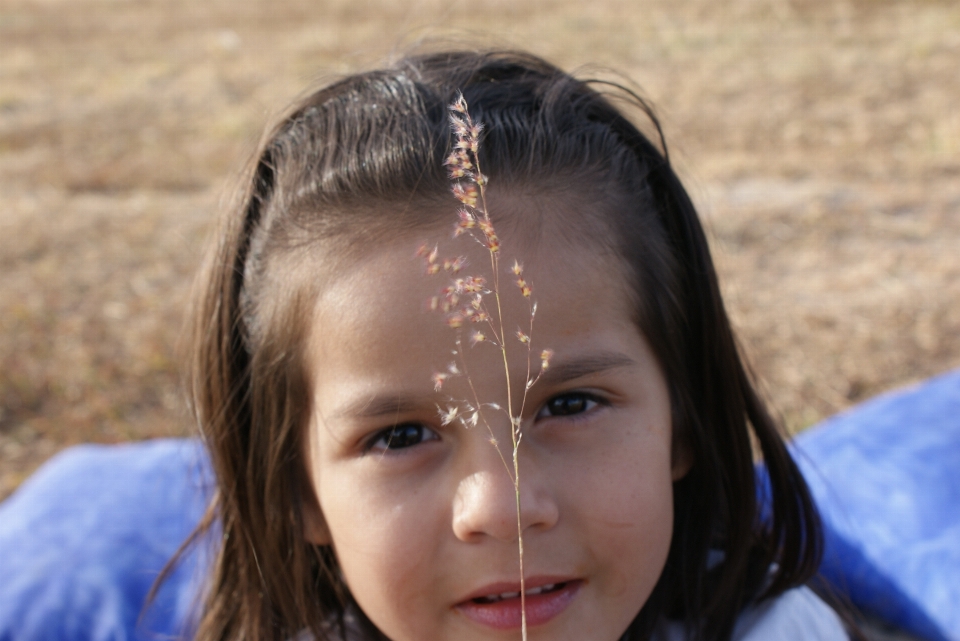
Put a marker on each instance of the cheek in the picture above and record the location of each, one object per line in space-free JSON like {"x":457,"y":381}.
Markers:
{"x":383,"y":540}
{"x":624,"y":501}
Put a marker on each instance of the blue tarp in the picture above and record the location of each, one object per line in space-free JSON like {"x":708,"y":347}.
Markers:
{"x":886,"y":476}
{"x":82,"y":541}
{"x":84,"y":538}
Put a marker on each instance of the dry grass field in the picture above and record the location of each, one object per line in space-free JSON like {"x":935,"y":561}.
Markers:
{"x":821,"y":139}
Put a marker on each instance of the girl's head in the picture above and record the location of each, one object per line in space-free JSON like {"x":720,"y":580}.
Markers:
{"x":342,"y":492}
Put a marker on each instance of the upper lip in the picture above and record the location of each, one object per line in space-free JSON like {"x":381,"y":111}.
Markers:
{"x":501,"y":587}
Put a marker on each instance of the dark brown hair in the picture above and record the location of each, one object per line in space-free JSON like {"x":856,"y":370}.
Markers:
{"x":344,"y":165}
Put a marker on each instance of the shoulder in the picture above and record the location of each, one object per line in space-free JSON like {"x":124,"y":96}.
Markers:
{"x":796,"y":615}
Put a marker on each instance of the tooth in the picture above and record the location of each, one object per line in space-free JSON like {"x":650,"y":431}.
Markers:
{"x":509,"y":595}
{"x":542,"y":589}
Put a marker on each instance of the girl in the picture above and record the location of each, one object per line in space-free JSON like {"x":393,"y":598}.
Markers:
{"x":351,"y":508}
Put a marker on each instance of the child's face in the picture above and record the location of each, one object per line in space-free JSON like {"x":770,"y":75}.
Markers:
{"x":422,"y":516}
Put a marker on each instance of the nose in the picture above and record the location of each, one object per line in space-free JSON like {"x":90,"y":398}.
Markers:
{"x":485,"y":503}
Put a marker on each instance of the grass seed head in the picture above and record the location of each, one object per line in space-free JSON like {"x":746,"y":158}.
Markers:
{"x":466,"y":193}
{"x":545,"y":357}
{"x":454,"y":265}
{"x":473,"y":284}
{"x":524,"y":288}
{"x":459,"y":104}
{"x":449,"y":415}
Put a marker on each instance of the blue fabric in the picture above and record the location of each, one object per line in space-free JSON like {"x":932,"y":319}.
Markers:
{"x":83,"y":539}
{"x":886,"y":476}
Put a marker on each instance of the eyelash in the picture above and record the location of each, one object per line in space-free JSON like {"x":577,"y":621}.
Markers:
{"x":391,"y":438}
{"x":580,"y":397}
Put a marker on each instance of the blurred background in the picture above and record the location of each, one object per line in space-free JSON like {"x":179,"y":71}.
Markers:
{"x":820,"y":139}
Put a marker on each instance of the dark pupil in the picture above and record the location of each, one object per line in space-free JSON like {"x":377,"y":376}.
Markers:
{"x":567,"y":404}
{"x":404,"y":436}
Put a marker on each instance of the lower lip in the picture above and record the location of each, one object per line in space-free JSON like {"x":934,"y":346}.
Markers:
{"x":507,"y":614}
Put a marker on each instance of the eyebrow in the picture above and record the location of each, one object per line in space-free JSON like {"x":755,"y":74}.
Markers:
{"x":565,"y":371}
{"x":383,"y":405}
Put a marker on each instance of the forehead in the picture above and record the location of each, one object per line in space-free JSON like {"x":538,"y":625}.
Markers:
{"x":379,"y":300}
{"x":559,"y":217}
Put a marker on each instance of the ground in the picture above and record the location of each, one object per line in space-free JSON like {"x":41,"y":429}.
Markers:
{"x":820,"y":139}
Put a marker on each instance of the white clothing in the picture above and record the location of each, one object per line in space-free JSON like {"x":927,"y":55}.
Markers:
{"x":796,"y":615}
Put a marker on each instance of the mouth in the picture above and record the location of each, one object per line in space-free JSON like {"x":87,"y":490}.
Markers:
{"x":500,"y":606}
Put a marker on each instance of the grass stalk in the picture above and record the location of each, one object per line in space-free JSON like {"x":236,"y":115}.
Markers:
{"x":469,"y":187}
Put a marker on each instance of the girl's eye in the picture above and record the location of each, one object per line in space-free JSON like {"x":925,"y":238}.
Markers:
{"x":401,"y":436}
{"x":568,"y":405}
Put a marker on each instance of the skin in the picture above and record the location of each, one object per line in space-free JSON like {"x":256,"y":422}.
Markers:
{"x":420,"y":529}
